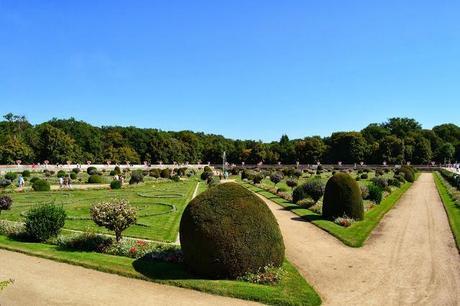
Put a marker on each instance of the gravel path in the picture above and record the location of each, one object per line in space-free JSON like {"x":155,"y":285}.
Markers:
{"x":45,"y":282}
{"x":410,"y":259}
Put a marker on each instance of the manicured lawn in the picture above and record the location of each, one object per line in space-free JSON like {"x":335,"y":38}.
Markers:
{"x":159,"y":204}
{"x":291,"y":290}
{"x":451,"y":199}
{"x":354,"y":235}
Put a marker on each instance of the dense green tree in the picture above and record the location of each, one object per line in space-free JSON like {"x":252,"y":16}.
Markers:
{"x":56,"y":146}
{"x":347,"y":147}
{"x":391,"y":149}
{"x":310,"y":150}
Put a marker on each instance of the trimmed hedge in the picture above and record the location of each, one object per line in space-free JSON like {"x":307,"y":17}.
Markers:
{"x":342,"y":197}
{"x":115,"y":184}
{"x":11,"y":176}
{"x":44,"y":221}
{"x":165,"y":173}
{"x":41,"y":185}
{"x":313,"y":188}
{"x":228,"y":231}
{"x":26,"y":173}
{"x":95,"y":179}
{"x":91,"y":170}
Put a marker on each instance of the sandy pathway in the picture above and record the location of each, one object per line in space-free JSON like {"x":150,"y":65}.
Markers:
{"x":410,"y":259}
{"x":45,"y":282}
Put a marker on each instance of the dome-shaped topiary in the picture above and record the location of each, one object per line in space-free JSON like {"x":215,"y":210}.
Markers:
{"x":342,"y":197}
{"x":41,"y":185}
{"x":228,"y":231}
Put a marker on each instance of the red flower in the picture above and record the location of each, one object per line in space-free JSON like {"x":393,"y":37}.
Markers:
{"x":133,"y":250}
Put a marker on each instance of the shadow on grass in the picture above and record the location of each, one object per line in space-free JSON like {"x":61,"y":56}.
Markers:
{"x":161,"y":270}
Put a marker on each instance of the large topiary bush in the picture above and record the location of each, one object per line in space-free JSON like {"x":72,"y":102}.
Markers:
{"x":228,"y":231}
{"x":26,"y":173}
{"x":41,"y":185}
{"x":91,"y":170}
{"x":95,"y":179}
{"x":44,"y":221}
{"x":115,"y":184}
{"x":61,"y":173}
{"x":165,"y":173}
{"x":136,"y":177}
{"x":11,"y":176}
{"x":342,"y":197}
{"x":408,"y":172}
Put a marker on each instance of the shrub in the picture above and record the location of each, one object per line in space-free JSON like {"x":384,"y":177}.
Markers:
{"x":394,"y":182}
{"x":115,"y":215}
{"x":112,"y":173}
{"x":379,"y":172}
{"x":115,"y":184}
{"x":297,"y":173}
{"x":380,"y":181}
{"x":61,"y":173}
{"x":73,"y":176}
{"x":207,"y":169}
{"x":11,"y":176}
{"x":86,"y":242}
{"x":44,"y":221}
{"x":154,"y":173}
{"x":276,"y":178}
{"x":26,"y":173}
{"x":76,"y":170}
{"x":375,"y":193}
{"x":227,"y":231}
{"x":364,"y":176}
{"x":258,"y":178}
{"x":267,"y":275}
{"x":175,"y":178}
{"x":248,"y":174}
{"x":291,"y":183}
{"x":344,"y":221}
{"x":313,"y":188}
{"x":213,"y":181}
{"x":4,"y":183}
{"x":95,"y":179}
{"x":136,"y":177}
{"x":91,"y":170}
{"x":117,"y":170}
{"x":34,"y":179}
{"x":206,"y":175}
{"x":342,"y":197}
{"x":400,"y":177}
{"x":408,"y":172}
{"x":5,"y":203}
{"x":364,"y":191}
{"x":165,"y":173}
{"x":41,"y":185}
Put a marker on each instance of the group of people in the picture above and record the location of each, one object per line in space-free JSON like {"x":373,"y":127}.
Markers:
{"x":65,"y":182}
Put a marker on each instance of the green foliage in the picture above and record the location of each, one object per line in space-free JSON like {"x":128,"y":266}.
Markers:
{"x":165,"y":173}
{"x":4,"y":183}
{"x":205,"y":175}
{"x":115,"y":215}
{"x":375,"y":193}
{"x":408,"y":172}
{"x":76,"y":170}
{"x":91,"y":170}
{"x":115,"y":184}
{"x":291,"y":182}
{"x":86,"y":241}
{"x":155,"y":172}
{"x":227,"y":231}
{"x":380,"y":182}
{"x":313,"y":189}
{"x":73,"y":176}
{"x":276,"y":177}
{"x":175,"y":178}
{"x":342,"y":197}
{"x":11,"y":176}
{"x":258,"y":178}
{"x":136,"y":177}
{"x":41,"y":185}
{"x":34,"y":179}
{"x":61,"y":173}
{"x":26,"y":173}
{"x":44,"y":221}
{"x":95,"y":179}
{"x":364,"y":176}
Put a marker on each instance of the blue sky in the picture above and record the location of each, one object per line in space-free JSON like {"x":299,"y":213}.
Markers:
{"x":243,"y":69}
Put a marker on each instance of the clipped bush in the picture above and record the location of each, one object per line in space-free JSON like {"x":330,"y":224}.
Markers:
{"x":408,"y":172}
{"x":258,"y":178}
{"x":364,"y":191}
{"x":117,"y":170}
{"x":115,"y":184}
{"x":91,"y":170}
{"x":11,"y":176}
{"x":227,"y":231}
{"x":394,"y":182}
{"x":76,"y":170}
{"x":61,"y":173}
{"x":364,"y":176}
{"x":342,"y":197}
{"x":154,"y":173}
{"x":95,"y":179}
{"x":276,"y":177}
{"x":375,"y":193}
{"x":5,"y":202}
{"x":248,"y":174}
{"x":206,"y":175}
{"x":175,"y":178}
{"x":213,"y":181}
{"x":4,"y":183}
{"x":313,"y":189}
{"x":86,"y":242}
{"x":115,"y":215}
{"x":26,"y":173}
{"x":165,"y":173}
{"x":136,"y":177}
{"x":44,"y":221}
{"x":380,"y":181}
{"x":207,"y":169}
{"x":73,"y":176}
{"x":41,"y":185}
{"x":34,"y":179}
{"x":291,"y":183}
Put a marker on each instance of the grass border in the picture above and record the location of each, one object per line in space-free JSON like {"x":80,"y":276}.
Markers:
{"x":354,"y":235}
{"x":292,"y":290}
{"x":450,"y":206}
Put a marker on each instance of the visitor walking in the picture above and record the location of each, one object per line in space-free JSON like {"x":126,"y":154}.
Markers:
{"x":21,"y":181}
{"x":61,"y":182}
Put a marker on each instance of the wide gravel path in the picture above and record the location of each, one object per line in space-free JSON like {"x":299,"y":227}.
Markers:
{"x":45,"y":282}
{"x":410,"y":259}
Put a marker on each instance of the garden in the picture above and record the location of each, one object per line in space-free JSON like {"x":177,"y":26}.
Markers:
{"x":131,"y":231}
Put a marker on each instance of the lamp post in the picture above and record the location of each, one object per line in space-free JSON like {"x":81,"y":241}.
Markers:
{"x":224,"y":157}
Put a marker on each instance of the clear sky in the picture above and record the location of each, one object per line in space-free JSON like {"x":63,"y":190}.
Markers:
{"x":243,"y":69}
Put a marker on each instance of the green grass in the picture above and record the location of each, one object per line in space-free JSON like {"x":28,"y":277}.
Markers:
{"x":451,"y":199}
{"x":354,"y":235}
{"x":160,"y":206}
{"x":291,"y":290}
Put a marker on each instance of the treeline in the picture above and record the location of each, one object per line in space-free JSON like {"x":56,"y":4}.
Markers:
{"x":396,"y":141}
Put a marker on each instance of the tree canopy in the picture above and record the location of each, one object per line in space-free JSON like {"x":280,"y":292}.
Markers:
{"x":397,"y":140}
